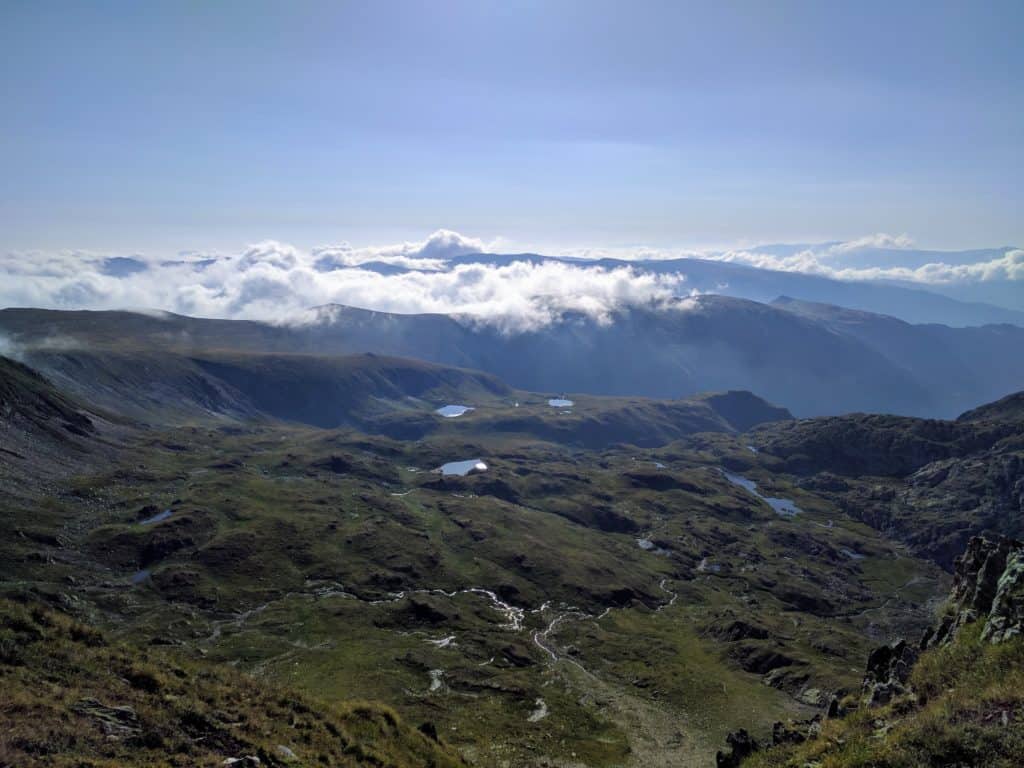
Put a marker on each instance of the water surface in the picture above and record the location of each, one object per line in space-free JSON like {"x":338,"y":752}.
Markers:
{"x":157,"y":517}
{"x":784,"y":507}
{"x":451,"y":411}
{"x":462,"y":468}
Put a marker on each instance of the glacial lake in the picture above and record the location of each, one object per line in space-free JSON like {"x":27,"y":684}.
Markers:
{"x":451,"y":411}
{"x":463,"y":468}
{"x":784,"y":507}
{"x":560,"y":402}
{"x":159,"y":516}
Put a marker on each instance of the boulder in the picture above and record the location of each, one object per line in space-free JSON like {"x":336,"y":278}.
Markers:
{"x":887,"y":673}
{"x":741,"y":746}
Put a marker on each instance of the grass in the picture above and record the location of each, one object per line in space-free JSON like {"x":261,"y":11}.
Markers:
{"x":74,"y":698}
{"x":968,"y":709}
{"x":264,"y":517}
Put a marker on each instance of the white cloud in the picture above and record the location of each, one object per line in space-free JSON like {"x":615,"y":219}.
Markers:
{"x":827,"y":261}
{"x":278,"y":282}
{"x":880,"y":240}
{"x":429,"y":254}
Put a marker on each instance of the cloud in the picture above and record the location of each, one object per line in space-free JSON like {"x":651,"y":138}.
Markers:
{"x":881,"y":240}
{"x":9,"y":348}
{"x":277,"y":282}
{"x":828,"y":261}
{"x":429,"y":254}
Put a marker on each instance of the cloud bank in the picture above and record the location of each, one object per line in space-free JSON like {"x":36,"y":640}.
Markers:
{"x":280,"y":283}
{"x":830,"y":260}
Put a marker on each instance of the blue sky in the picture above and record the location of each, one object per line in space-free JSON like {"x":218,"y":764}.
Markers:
{"x":158,"y":127}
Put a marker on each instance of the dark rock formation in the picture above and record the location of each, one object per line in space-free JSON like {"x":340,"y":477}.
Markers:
{"x":741,"y":745}
{"x":887,"y":672}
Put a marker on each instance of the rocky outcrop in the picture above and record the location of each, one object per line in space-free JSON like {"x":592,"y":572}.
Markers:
{"x":988,"y":584}
{"x":1006,"y":618}
{"x":741,"y":746}
{"x":116,"y":722}
{"x":988,"y":587}
{"x":887,"y":673}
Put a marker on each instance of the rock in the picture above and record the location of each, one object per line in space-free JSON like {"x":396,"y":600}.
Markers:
{"x":517,"y":655}
{"x":1006,"y":617}
{"x":787,"y":734}
{"x":738,"y":630}
{"x":248,"y":761}
{"x":429,"y":730}
{"x":285,"y":753}
{"x":988,"y":583}
{"x":811,"y":696}
{"x":115,"y":722}
{"x":761,"y":660}
{"x":741,"y":745}
{"x":887,"y":673}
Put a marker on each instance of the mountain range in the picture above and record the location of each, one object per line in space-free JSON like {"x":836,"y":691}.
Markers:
{"x":813,"y":359}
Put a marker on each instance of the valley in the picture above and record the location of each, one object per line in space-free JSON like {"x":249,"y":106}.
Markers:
{"x":574,"y":600}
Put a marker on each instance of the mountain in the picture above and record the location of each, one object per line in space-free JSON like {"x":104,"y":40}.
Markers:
{"x":908,"y":301}
{"x":810,"y":359}
{"x":396,"y":397}
{"x":991,"y":296}
{"x":570,"y":603}
{"x":46,"y":434}
{"x":971,"y":365}
{"x":619,"y":581}
{"x":932,"y":484}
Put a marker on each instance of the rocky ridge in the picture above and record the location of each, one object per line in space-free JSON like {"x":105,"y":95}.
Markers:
{"x":988,"y":589}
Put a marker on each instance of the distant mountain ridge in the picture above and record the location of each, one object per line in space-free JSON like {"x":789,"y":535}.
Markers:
{"x":810,"y":358}
{"x":912,"y":302}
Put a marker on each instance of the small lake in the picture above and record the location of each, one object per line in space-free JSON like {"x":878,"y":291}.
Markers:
{"x":451,"y":411}
{"x":463,"y":468}
{"x":157,"y":517}
{"x":784,"y":507}
{"x":140,"y":576}
{"x":560,"y":402}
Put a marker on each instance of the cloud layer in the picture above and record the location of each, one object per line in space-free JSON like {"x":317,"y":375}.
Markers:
{"x":279,"y":282}
{"x":832,"y":260}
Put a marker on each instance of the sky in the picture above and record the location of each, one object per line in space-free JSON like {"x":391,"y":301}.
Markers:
{"x":157,"y":128}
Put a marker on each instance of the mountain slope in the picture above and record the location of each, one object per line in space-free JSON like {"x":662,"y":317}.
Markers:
{"x":44,"y":433}
{"x":107,"y":704}
{"x":933,"y":484}
{"x":811,"y":359}
{"x":960,"y":360}
{"x":911,"y":302}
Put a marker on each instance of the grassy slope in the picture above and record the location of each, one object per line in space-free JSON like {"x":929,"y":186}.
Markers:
{"x":267,"y":519}
{"x":969,"y":711}
{"x":59,"y":678}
